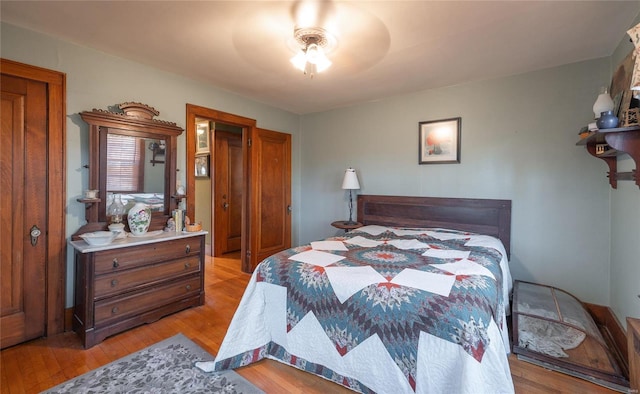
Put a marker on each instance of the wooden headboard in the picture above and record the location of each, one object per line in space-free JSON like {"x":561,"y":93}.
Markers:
{"x":482,"y":216}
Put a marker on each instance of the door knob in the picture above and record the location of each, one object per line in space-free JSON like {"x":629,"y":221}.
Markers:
{"x":35,"y":233}
{"x":225,"y":206}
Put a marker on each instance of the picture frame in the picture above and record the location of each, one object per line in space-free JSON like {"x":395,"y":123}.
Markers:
{"x":620,"y":88}
{"x":202,"y":166}
{"x":202,"y":137}
{"x":439,"y":141}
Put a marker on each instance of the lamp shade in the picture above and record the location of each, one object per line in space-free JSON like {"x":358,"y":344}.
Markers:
{"x":603,"y":103}
{"x":350,"y":180}
{"x":312,"y":60}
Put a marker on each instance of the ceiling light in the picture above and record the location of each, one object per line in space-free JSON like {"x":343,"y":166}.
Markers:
{"x":311,"y":58}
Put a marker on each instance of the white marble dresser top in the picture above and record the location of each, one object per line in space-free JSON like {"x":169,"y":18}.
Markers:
{"x":83,"y":247}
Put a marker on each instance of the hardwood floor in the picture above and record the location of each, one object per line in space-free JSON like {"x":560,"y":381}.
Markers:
{"x":43,"y":363}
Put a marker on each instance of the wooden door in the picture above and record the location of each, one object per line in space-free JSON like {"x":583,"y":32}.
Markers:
{"x":269,"y":202}
{"x":22,"y":205}
{"x":47,"y":172}
{"x":227,"y":200}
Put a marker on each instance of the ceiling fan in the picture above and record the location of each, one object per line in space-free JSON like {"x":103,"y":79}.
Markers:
{"x":314,"y":43}
{"x":312,"y":21}
{"x":313,"y":36}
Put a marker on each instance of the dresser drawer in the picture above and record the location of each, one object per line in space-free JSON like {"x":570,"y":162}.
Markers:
{"x":120,"y":259}
{"x":116,"y":308}
{"x":121,"y":281}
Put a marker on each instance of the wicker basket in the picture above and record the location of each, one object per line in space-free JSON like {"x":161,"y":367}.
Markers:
{"x":193,"y":227}
{"x":630,"y":117}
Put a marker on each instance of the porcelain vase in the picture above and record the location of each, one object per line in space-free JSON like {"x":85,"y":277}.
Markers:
{"x":139,"y":218}
{"x":607,"y":120}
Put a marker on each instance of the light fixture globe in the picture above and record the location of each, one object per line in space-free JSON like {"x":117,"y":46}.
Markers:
{"x":603,"y":103}
{"x":314,"y":44}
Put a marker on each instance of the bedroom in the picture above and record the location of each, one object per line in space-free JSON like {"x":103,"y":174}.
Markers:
{"x":521,"y":149}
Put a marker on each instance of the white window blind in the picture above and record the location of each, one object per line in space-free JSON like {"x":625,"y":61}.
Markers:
{"x":125,"y":163}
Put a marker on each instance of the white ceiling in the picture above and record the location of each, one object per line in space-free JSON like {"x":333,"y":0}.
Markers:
{"x":384,"y":48}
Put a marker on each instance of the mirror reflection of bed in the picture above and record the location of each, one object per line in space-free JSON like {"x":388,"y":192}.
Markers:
{"x":155,"y":201}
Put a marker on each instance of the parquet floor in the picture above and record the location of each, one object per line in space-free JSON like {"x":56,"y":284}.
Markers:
{"x":44,"y":363}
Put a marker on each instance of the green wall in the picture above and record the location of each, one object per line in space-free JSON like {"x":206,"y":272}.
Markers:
{"x":569,"y":228}
{"x":518,"y":143}
{"x":625,"y":227}
{"x":203,"y":202}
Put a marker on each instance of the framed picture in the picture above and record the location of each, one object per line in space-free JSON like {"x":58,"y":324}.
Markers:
{"x":202,"y":137}
{"x":202,"y":166}
{"x":439,"y":141}
{"x":620,"y":89}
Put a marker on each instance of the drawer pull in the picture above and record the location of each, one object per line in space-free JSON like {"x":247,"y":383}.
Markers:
{"x":187,"y":250}
{"x":115,"y":263}
{"x":114,"y":310}
{"x":188,"y":287}
{"x":114,"y":283}
{"x":187,"y":266}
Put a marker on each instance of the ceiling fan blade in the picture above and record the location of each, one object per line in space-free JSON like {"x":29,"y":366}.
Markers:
{"x":312,"y":13}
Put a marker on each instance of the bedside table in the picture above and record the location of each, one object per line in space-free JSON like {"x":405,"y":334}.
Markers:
{"x":343,"y":225}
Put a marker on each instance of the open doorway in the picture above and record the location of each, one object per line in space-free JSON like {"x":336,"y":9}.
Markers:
{"x":217,"y":175}
{"x":227,"y":189}
{"x":219,"y":185}
{"x":265,"y":185}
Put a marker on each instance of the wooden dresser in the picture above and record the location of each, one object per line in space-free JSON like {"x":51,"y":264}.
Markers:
{"x":135,"y":281}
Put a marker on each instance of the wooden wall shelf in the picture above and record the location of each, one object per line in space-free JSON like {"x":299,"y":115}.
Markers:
{"x":620,"y":140}
{"x":88,"y":201}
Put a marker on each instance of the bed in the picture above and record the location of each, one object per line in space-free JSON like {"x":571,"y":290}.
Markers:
{"x":415,"y":301}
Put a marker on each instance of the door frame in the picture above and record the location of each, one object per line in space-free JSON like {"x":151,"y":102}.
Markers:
{"x":56,"y":263}
{"x":247,"y":124}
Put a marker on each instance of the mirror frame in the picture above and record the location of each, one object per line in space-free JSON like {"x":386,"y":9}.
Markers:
{"x":134,"y":119}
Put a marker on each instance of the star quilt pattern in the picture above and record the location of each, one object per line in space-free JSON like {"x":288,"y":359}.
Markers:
{"x":395,"y":285}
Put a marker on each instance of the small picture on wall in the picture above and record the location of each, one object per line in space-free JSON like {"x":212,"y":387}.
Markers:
{"x":202,"y":137}
{"x":202,"y":166}
{"x":439,"y":141}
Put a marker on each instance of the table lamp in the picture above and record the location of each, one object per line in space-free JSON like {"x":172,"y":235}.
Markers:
{"x":350,"y":182}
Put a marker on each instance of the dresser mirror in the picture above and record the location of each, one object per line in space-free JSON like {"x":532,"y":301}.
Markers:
{"x":135,"y":170}
{"x":132,"y":155}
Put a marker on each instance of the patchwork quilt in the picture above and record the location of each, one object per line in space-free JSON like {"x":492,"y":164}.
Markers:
{"x":381,"y":309}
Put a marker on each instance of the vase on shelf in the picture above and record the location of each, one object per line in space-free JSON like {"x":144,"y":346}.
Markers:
{"x":607,"y":120}
{"x":139,"y":218}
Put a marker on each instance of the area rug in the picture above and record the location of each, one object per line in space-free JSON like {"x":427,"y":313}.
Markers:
{"x":166,"y":367}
